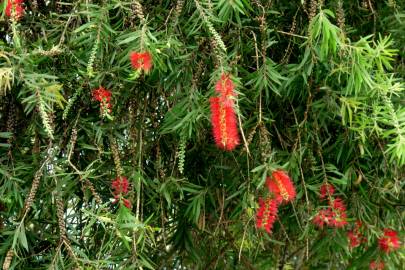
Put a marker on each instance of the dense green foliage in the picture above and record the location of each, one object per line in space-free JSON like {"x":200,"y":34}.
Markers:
{"x":320,"y":94}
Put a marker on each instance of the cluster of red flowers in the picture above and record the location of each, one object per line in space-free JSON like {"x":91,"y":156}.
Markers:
{"x":355,"y":235}
{"x":103,"y":96}
{"x":141,"y":61}
{"x":223,"y":118}
{"x":120,"y":188}
{"x":377,"y":265}
{"x":326,"y":191}
{"x":282,"y":190}
{"x":389,"y":241}
{"x":15,"y":7}
{"x":333,"y":216}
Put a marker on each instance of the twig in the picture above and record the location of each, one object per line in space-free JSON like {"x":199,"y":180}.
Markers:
{"x":257,"y":68}
{"x":243,"y":135}
{"x":243,"y":237}
{"x":291,"y":34}
{"x":221,"y":215}
{"x":78,"y":172}
{"x":374,"y":17}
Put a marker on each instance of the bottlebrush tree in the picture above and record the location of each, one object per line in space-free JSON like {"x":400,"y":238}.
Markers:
{"x":202,"y":134}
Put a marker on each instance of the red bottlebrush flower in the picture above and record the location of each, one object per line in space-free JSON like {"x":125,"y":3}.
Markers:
{"x":377,"y":265}
{"x":338,"y":204}
{"x":266,"y":214}
{"x":281,"y":186}
{"x":389,"y":241}
{"x":340,"y":217}
{"x":104,"y":97}
{"x":141,"y":61}
{"x":101,"y":94}
{"x":324,"y":217}
{"x":326,"y":190}
{"x":330,"y":218}
{"x":16,"y":7}
{"x":120,"y":185}
{"x":339,"y":221}
{"x":224,"y":125}
{"x":225,"y":87}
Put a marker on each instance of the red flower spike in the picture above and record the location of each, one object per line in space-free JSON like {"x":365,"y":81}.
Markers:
{"x":266,"y":214}
{"x":101,"y":94}
{"x":224,"y":125}
{"x":377,"y":265}
{"x":16,"y":7}
{"x":338,"y":205}
{"x":281,"y":186}
{"x":141,"y":61}
{"x":120,"y":185}
{"x":326,"y":190}
{"x":340,"y":217}
{"x":389,"y":241}
{"x":339,"y":221}
{"x":225,"y":87}
{"x":324,"y":217}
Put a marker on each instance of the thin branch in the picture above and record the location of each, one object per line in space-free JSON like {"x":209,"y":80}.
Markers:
{"x":291,"y":34}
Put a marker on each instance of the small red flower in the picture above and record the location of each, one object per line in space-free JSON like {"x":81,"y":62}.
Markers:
{"x":225,"y":87}
{"x":266,"y":214}
{"x":324,"y":217}
{"x":335,"y":215}
{"x":355,"y":235}
{"x":224,"y":125}
{"x":326,"y":190}
{"x":127,"y":203}
{"x":330,"y":217}
{"x":16,"y":7}
{"x":339,"y":221}
{"x":339,"y":209}
{"x":120,"y":185}
{"x":389,"y":241}
{"x":338,"y":204}
{"x":354,"y":240}
{"x":141,"y":61}
{"x":377,"y":265}
{"x":281,"y":186}
{"x":120,"y":188}
{"x":101,"y":94}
